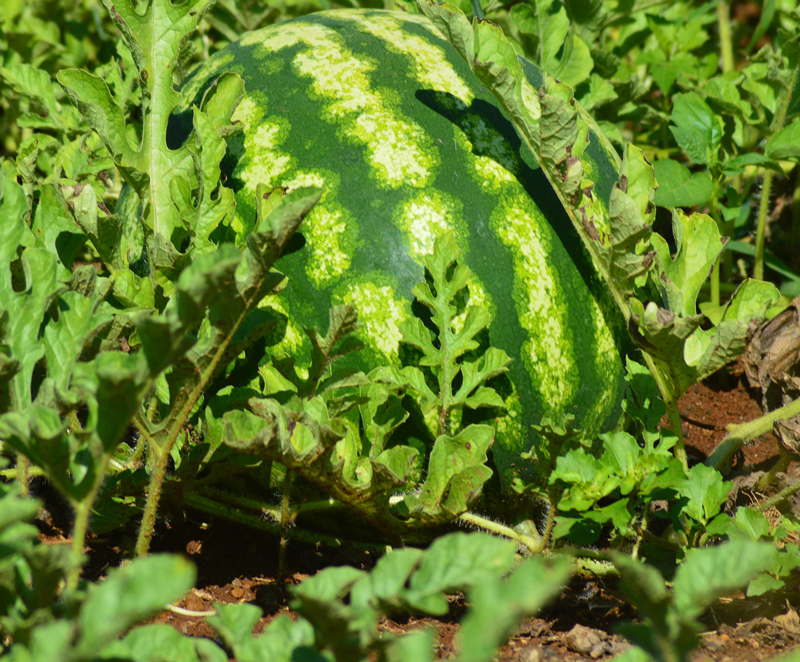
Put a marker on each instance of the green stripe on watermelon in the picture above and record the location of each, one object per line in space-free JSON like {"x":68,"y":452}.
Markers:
{"x":383,"y":112}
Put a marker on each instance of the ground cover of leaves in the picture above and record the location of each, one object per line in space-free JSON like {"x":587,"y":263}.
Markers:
{"x":236,"y":564}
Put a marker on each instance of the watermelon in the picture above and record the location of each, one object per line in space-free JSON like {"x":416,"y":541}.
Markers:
{"x":382,"y":113}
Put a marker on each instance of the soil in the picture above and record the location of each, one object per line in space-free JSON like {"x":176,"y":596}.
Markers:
{"x":236,"y":564}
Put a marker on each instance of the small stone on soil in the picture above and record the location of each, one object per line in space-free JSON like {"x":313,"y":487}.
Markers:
{"x":534,"y":653}
{"x":193,"y":603}
{"x":587,"y":641}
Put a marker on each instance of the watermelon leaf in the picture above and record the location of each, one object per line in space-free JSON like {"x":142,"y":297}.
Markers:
{"x":337,"y":343}
{"x":671,"y":332}
{"x":456,"y":473}
{"x":178,"y":188}
{"x":306,"y":429}
{"x":671,"y":624}
{"x":225,"y":288}
{"x":441,"y":353}
{"x":498,"y":605}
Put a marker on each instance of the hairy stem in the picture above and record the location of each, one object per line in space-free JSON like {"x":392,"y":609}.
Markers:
{"x":781,"y":108}
{"x":23,"y":474}
{"x":669,"y":395}
{"x":534,"y":545}
{"x":739,"y":435}
{"x":761,"y":226}
{"x":785,"y":493}
{"x":265,"y":510}
{"x":714,"y":281}
{"x":153,"y":497}
{"x":216,"y":509}
{"x":551,"y":517}
{"x":796,"y":208}
{"x":768,"y":479}
{"x":640,"y":534}
{"x":596,"y":567}
{"x":285,"y":507}
{"x":11,"y":474}
{"x":725,"y":38}
{"x":725,"y":264}
{"x":477,"y":10}
{"x":83,"y":511}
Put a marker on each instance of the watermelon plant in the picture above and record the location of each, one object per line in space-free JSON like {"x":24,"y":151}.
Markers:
{"x":381,"y":100}
{"x":369,"y":274}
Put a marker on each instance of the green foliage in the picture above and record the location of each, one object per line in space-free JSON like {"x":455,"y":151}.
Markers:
{"x":750,"y":524}
{"x":122,"y":308}
{"x":670,"y":629}
{"x":45,"y":624}
{"x":310,"y":428}
{"x":340,"y":607}
{"x":163,"y":178}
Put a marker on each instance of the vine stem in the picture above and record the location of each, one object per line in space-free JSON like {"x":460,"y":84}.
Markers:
{"x":83,"y":511}
{"x":551,"y":519}
{"x":740,"y":434}
{"x":153,"y":497}
{"x":725,"y":263}
{"x":796,"y":208}
{"x":778,"y":120}
{"x":23,"y":474}
{"x":534,"y":545}
{"x":11,"y":474}
{"x":477,"y":10}
{"x":784,"y":460}
{"x":761,"y":227}
{"x":232,"y":514}
{"x":670,"y":398}
{"x":285,"y":519}
{"x":725,"y":38}
{"x":727,"y":63}
{"x":640,"y":534}
{"x":785,"y":493}
{"x":191,"y":612}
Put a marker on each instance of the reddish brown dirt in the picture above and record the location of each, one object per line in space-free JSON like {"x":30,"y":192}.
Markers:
{"x":724,"y":399}
{"x":236,"y":564}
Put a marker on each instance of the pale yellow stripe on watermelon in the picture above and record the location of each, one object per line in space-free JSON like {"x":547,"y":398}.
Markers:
{"x":427,"y":61}
{"x":380,"y":313}
{"x":508,"y":426}
{"x":294,"y":337}
{"x":276,"y":38}
{"x":329,"y":229}
{"x":491,"y":175}
{"x":326,"y":226}
{"x":249,"y":112}
{"x":424,"y":217}
{"x":399,"y":150}
{"x":323,"y":229}
{"x":553,"y":373}
{"x":267,"y":163}
{"x":264,"y":163}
